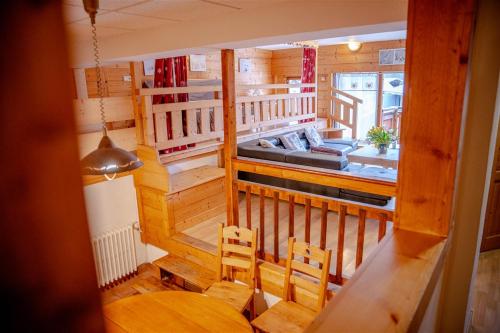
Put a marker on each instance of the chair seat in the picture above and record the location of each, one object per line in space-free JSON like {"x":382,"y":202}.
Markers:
{"x":237,"y":295}
{"x":285,"y":317}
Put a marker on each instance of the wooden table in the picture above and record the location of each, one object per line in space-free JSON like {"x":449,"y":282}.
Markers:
{"x":370,"y":155}
{"x":173,"y":311}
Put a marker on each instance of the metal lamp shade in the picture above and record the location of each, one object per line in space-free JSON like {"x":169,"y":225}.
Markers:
{"x":108,"y":159}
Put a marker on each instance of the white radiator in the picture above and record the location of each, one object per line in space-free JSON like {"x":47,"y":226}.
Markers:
{"x":114,"y":255}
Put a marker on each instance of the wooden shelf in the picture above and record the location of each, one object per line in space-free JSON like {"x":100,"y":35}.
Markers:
{"x":187,"y":179}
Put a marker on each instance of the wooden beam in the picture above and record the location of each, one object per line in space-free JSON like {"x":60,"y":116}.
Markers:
{"x":317,"y":176}
{"x":229,"y":108}
{"x":135,"y":74}
{"x":432,"y":118}
{"x":49,"y":278}
{"x":390,"y":290}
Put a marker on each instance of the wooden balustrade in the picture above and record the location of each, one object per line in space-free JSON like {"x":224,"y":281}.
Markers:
{"x":327,"y":204}
{"x":203,"y":119}
{"x":344,"y":110}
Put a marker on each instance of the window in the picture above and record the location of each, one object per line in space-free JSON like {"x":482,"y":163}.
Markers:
{"x":294,"y":80}
{"x":363,"y":86}
{"x":392,"y":90}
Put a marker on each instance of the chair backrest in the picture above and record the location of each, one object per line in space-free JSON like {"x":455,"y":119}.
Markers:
{"x":321,"y":273}
{"x":236,"y":248}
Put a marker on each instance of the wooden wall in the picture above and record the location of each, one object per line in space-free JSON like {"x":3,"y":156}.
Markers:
{"x":260,"y":71}
{"x":115,"y":85}
{"x":332,"y":59}
{"x":113,"y":77}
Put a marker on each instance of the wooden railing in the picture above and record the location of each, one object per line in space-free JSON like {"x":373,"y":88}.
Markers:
{"x":343,"y":110}
{"x":203,"y":119}
{"x":327,"y":204}
{"x":267,"y":110}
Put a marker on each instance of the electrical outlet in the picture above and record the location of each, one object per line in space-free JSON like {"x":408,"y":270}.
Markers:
{"x":127,"y":78}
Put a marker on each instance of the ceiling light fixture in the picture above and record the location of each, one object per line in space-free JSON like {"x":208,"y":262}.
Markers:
{"x":107,"y":159}
{"x":353,"y":45}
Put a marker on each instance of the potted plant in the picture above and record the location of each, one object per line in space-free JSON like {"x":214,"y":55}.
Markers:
{"x":380,"y":138}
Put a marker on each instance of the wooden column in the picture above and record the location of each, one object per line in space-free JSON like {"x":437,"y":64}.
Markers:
{"x":48,"y":278}
{"x":316,"y":76}
{"x":432,"y":117}
{"x":229,"y":108}
{"x":136,"y":83}
{"x":380,"y":98}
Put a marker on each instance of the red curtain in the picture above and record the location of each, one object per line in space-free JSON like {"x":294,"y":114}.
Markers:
{"x":308,"y":71}
{"x":308,"y":67}
{"x":171,"y":72}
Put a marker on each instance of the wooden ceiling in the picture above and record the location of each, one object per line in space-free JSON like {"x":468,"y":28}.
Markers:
{"x":117,"y":17}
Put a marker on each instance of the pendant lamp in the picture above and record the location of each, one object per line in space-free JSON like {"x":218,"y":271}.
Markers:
{"x":107,"y":159}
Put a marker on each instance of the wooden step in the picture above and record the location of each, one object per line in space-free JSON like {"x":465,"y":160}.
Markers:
{"x":192,"y":249}
{"x":187,"y":270}
{"x":184,"y":180}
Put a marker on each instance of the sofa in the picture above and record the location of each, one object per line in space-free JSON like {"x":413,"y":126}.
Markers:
{"x":253,"y":149}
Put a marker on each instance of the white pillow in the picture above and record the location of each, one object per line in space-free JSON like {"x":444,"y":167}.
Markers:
{"x":313,"y":137}
{"x":266,"y":143}
{"x":292,"y":141}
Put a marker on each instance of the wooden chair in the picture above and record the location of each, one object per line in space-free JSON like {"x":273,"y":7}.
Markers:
{"x":240,"y":256}
{"x":287,"y":315}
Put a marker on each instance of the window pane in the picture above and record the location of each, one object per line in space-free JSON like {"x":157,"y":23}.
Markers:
{"x":392,"y":90}
{"x":363,"y":86}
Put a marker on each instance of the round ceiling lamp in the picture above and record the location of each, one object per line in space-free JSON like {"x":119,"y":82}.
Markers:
{"x":107,"y":159}
{"x":353,"y":45}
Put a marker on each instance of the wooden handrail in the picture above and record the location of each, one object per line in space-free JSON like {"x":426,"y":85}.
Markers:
{"x":201,"y":120}
{"x":318,"y":176}
{"x":343,"y":93}
{"x":275,"y":86}
{"x":177,"y":90}
{"x":342,"y":111}
{"x":327,"y":204}
{"x":217,"y":88}
{"x":393,"y":286}
{"x":243,"y":99}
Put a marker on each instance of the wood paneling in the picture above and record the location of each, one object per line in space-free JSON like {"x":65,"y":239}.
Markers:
{"x":260,"y":70}
{"x":112,"y":77}
{"x":114,"y":85}
{"x":433,"y":113}
{"x":332,"y":59}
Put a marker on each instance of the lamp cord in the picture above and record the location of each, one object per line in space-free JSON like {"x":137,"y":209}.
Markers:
{"x":100,"y":87}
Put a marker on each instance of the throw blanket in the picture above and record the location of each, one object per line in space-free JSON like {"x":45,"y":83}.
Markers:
{"x":326,"y":150}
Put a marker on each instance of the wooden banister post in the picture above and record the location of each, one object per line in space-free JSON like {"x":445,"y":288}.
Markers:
{"x":316,"y":72}
{"x":136,"y":84}
{"x":229,"y":108}
{"x":354,"y":129}
{"x":147,"y":120}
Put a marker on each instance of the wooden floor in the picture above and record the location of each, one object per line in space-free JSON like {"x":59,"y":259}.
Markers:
{"x":207,"y":230}
{"x":147,"y":280}
{"x":486,"y":294}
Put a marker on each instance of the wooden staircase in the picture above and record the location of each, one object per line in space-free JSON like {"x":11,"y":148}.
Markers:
{"x":343,"y":110}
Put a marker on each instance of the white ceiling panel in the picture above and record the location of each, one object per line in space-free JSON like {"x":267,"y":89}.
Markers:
{"x":107,"y":4}
{"x":375,"y":37}
{"x":180,"y":10}
{"x":73,"y":13}
{"x":127,"y":21}
{"x":82,"y":31}
{"x":247,"y":4}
